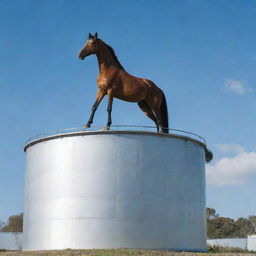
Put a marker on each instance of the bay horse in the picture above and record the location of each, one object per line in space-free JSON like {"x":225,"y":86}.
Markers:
{"x":115,"y":82}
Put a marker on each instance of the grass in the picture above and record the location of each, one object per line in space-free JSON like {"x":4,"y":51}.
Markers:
{"x":213,"y":251}
{"x":226,"y":249}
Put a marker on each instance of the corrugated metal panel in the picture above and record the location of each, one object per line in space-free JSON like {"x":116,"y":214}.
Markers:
{"x":107,"y":190}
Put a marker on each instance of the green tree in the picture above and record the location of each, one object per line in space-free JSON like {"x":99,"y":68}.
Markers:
{"x":252,"y":220}
{"x":243,"y":227}
{"x":220,"y":227}
{"x":211,"y":213}
{"x":14,"y":224}
{"x":1,"y":225}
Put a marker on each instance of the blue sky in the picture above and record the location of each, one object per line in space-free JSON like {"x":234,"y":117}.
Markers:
{"x":201,"y":53}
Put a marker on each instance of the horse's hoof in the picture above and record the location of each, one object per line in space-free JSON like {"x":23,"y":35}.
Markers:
{"x":86,"y":126}
{"x":106,"y":128}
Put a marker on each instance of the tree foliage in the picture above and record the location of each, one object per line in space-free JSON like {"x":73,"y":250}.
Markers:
{"x":14,"y":224}
{"x":1,"y":225}
{"x":220,"y":227}
{"x":252,"y":220}
{"x":243,"y":227}
{"x":211,"y":213}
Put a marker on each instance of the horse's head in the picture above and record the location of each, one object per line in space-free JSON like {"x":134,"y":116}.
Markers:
{"x":90,"y":47}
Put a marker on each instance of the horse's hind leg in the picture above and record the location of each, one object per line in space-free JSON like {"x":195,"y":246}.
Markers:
{"x":148,"y":112}
{"x":157,"y":112}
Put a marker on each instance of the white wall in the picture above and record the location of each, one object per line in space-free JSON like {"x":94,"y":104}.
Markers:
{"x":251,"y":243}
{"x":244,"y":243}
{"x":229,"y":242}
{"x":10,"y":241}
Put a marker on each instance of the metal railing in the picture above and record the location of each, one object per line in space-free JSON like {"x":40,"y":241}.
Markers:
{"x":138,"y":128}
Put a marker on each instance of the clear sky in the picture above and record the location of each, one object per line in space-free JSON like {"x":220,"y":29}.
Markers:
{"x":201,"y":53}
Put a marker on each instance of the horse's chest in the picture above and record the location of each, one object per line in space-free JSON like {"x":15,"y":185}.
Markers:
{"x":102,"y":82}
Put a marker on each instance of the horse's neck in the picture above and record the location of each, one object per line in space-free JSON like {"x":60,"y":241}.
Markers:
{"x":106,"y":60}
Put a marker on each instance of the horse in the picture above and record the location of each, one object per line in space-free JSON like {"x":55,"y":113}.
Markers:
{"x":115,"y":82}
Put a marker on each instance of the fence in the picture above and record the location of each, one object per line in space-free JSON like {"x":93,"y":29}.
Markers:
{"x":229,"y":242}
{"x":248,"y":243}
{"x":251,"y":243}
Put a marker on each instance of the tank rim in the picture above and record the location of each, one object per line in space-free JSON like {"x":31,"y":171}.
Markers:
{"x":35,"y":141}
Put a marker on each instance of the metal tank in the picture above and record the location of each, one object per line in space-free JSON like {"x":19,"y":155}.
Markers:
{"x":115,"y":189}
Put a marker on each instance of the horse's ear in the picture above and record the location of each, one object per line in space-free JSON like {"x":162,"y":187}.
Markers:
{"x":96,"y":35}
{"x":90,"y":36}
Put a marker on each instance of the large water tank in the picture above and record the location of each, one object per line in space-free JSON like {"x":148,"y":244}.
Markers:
{"x":115,"y":189}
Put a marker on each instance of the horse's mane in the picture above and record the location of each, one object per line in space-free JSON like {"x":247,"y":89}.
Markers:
{"x":113,"y":54}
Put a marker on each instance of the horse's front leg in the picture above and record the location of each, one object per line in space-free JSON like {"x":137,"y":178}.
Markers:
{"x":99,"y":97}
{"x":110,"y":102}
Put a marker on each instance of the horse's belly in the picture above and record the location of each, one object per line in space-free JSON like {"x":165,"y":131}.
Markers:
{"x":129,"y":98}
{"x":131,"y":92}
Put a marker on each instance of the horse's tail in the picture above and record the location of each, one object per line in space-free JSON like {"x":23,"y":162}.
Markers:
{"x":164,"y":115}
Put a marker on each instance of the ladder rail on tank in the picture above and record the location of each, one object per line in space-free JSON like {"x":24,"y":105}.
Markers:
{"x":139,"y":128}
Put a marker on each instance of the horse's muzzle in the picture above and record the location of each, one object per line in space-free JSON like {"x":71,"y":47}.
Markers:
{"x":81,"y":57}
